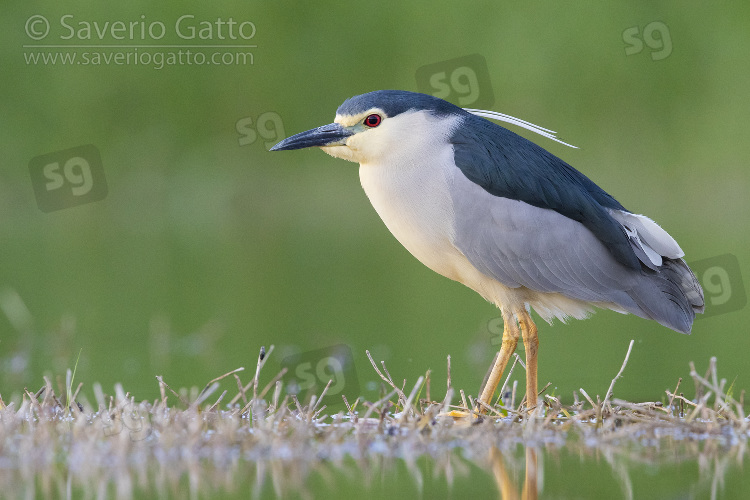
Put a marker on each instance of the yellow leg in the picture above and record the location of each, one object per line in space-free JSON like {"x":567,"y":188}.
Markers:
{"x":510,"y":341}
{"x":511,"y":333}
{"x":531,"y":344}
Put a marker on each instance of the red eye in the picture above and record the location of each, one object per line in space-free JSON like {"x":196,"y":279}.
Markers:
{"x":373,"y":121}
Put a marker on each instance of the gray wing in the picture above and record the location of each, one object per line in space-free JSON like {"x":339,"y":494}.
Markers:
{"x":507,"y":165}
{"x":519,"y":244}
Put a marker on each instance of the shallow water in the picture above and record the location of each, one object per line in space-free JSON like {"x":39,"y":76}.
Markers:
{"x":210,"y":456}
{"x":523,"y":473}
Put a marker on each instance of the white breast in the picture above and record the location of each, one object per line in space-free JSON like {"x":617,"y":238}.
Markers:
{"x":412,"y":198}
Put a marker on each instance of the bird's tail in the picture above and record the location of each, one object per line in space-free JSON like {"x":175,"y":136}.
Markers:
{"x":671,"y":295}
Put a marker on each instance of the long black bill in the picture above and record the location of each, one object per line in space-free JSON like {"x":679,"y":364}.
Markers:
{"x":327,"y":135}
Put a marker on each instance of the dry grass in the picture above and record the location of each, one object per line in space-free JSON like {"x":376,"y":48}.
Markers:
{"x":204,"y":440}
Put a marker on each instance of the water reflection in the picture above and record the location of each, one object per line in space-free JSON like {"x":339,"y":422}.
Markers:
{"x":375,"y":462}
{"x":504,"y":479}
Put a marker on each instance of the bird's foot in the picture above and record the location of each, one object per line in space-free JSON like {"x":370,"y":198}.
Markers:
{"x":458,"y":414}
{"x":477,"y":413}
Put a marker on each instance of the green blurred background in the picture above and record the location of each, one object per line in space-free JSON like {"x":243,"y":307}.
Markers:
{"x":207,"y":246}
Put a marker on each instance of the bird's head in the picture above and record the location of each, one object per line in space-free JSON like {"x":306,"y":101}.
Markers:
{"x":371,"y":126}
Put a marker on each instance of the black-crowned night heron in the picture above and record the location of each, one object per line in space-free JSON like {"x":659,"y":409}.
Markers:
{"x":489,"y":209}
